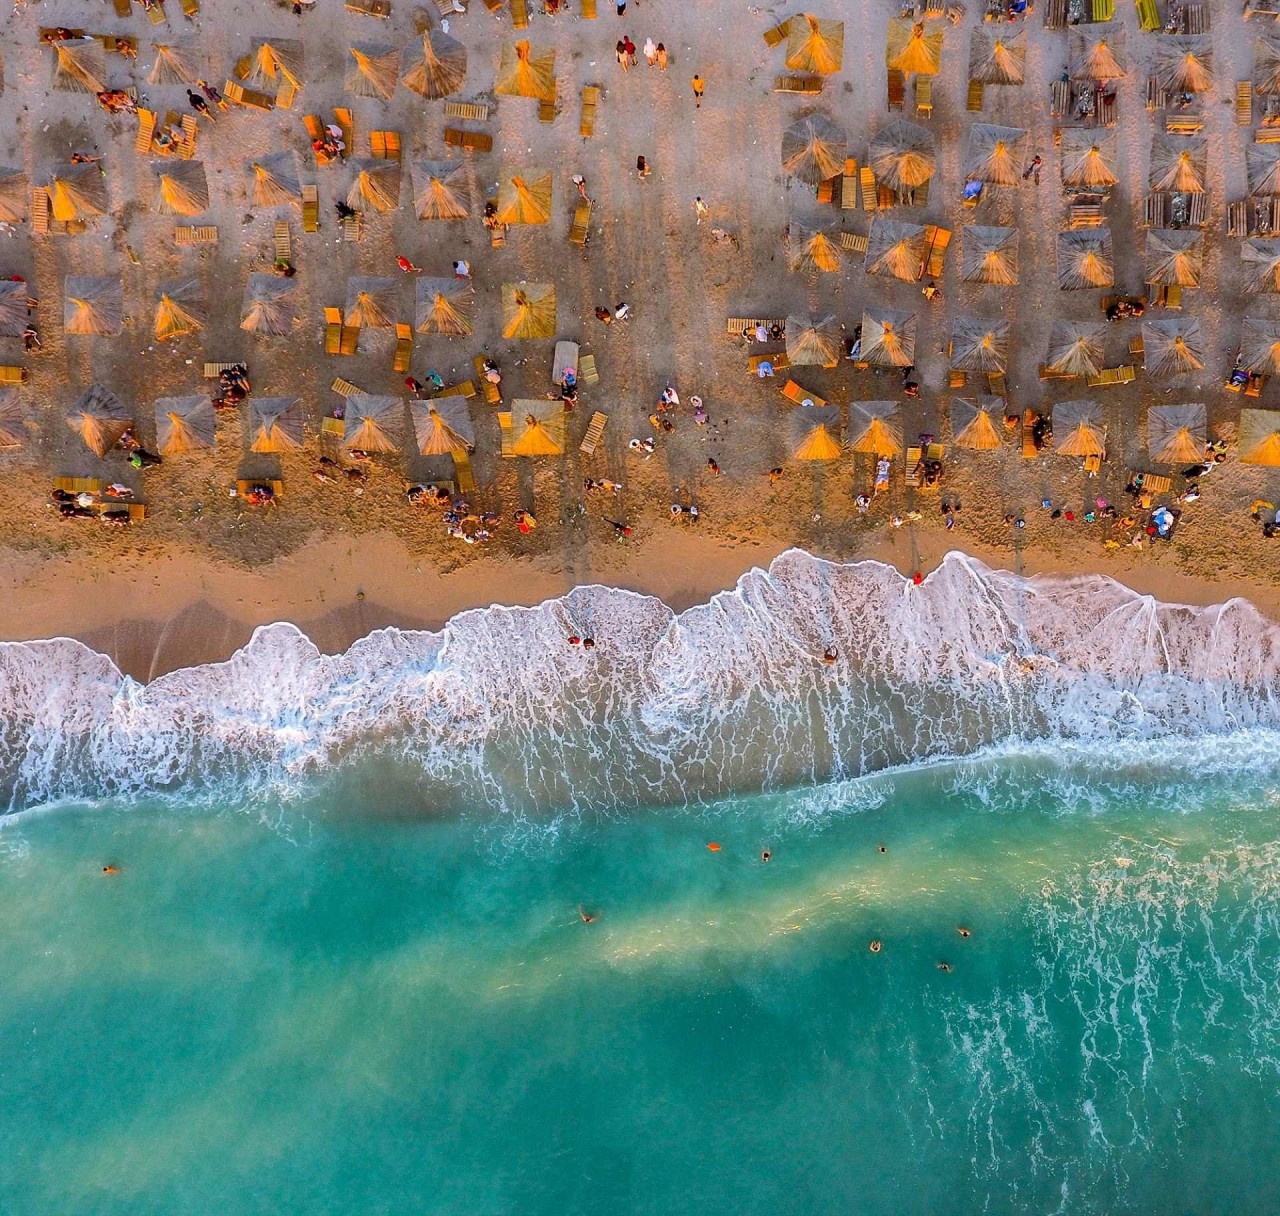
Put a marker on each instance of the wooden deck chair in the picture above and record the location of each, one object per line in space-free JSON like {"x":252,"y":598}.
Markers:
{"x":157,"y":14}
{"x":547,"y":109}
{"x":78,"y":485}
{"x":124,"y":8}
{"x":581,"y":223}
{"x":924,"y":96}
{"x":333,"y":331}
{"x":284,"y":250}
{"x":519,"y":14}
{"x":190,"y":8}
{"x":378,"y":145}
{"x":914,"y":468}
{"x":504,"y":428}
{"x":310,"y":209}
{"x":468,"y":111}
{"x":12,"y":374}
{"x":895,"y":89}
{"x":1244,"y":103}
{"x":776,"y":35}
{"x":344,"y":388}
{"x":492,"y":393}
{"x":146,"y":132}
{"x":586,"y":9}
{"x":590,"y":99}
{"x":973,"y":102}
{"x":587,"y":373}
{"x":870,"y":195}
{"x":343,"y":119}
{"x":350,"y":340}
{"x":595,"y":431}
{"x":40,"y":211}
{"x":187,"y":145}
{"x":286,"y":95}
{"x":404,"y":348}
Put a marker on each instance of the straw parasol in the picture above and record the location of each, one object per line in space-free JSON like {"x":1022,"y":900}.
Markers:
{"x":538,"y":428}
{"x":990,"y":255}
{"x":1078,"y":429}
{"x":373,"y":71}
{"x":1084,"y":260}
{"x":991,"y":154}
{"x":13,"y":195}
{"x":442,"y":426}
{"x":440,"y":190}
{"x":175,"y":63}
{"x":93,"y":305}
{"x":815,"y":433}
{"x":1088,"y":158}
{"x":183,"y":188}
{"x":888,"y":338}
{"x":370,"y":303}
{"x":184,"y":424}
{"x":1266,"y":64}
{"x":1262,"y":264}
{"x":525,"y":198}
{"x":1260,"y":346}
{"x":272,"y":61}
{"x":1178,"y":163}
{"x":1260,"y":437}
{"x":895,"y":249}
{"x":1076,"y":347}
{"x":814,"y":45}
{"x":813,"y":341}
{"x":525,"y":72}
{"x":376,"y":186}
{"x":179,"y":310}
{"x":912,"y":48}
{"x":814,"y":249}
{"x":979,"y":346}
{"x":436,"y":66}
{"x":902,"y":156}
{"x":528,"y":310}
{"x":1096,"y":52}
{"x":1175,"y":256}
{"x":79,"y":66}
{"x":1184,"y":65}
{"x":78,"y":192}
{"x":1263,"y":161}
{"x":998,"y":58}
{"x":13,"y":309}
{"x":99,"y":419}
{"x":268,"y":306}
{"x":13,"y":419}
{"x":275,"y":180}
{"x":1173,"y":347}
{"x":374,"y":424}
{"x":877,"y":427}
{"x":974,"y":423}
{"x":276,"y":424}
{"x":813,"y":149}
{"x":1176,"y":434}
{"x":445,"y":306}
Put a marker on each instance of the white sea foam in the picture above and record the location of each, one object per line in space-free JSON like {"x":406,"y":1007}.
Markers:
{"x":497,"y":709}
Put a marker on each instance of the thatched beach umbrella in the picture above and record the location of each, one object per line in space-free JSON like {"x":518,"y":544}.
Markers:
{"x":184,"y":424}
{"x":1096,"y":52}
{"x":268,"y":306}
{"x":876,"y":427}
{"x":1076,"y":347}
{"x":1261,"y":258}
{"x":442,"y":426}
{"x":373,"y":424}
{"x":1178,"y":163}
{"x":376,"y":186}
{"x":1176,"y":434}
{"x":1088,"y":158}
{"x":1175,"y":256}
{"x":815,"y":433}
{"x":445,"y":306}
{"x":1085,"y":260}
{"x":814,"y":45}
{"x":913,"y":48}
{"x":813,"y":341}
{"x":13,"y":195}
{"x":528,"y":310}
{"x":979,"y":346}
{"x":1184,"y":65}
{"x":813,"y":249}
{"x":895,"y":249}
{"x":526,"y":72}
{"x":272,"y":61}
{"x":99,"y":419}
{"x":989,"y":255}
{"x":13,"y":419}
{"x":1173,"y":347}
{"x":13,"y":309}
{"x":975,"y":424}
{"x":275,"y":424}
{"x":436,"y":65}
{"x":79,"y":66}
{"x":1263,"y":161}
{"x":276,"y":180}
{"x":993,"y":154}
{"x":175,"y":63}
{"x":814,"y":149}
{"x":1266,"y":64}
{"x":537,"y":428}
{"x":1260,"y":346}
{"x":93,"y":305}
{"x":1078,"y":429}
{"x":78,"y":192}
{"x":525,"y":198}
{"x":440,"y":190}
{"x":373,"y":71}
{"x":371,"y":303}
{"x":998,"y":58}
{"x":888,"y":338}
{"x":902,"y":155}
{"x":182,"y":187}
{"x":1260,"y":437}
{"x":179,"y":310}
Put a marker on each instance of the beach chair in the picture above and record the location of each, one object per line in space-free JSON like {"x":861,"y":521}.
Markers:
{"x":504,"y":431}
{"x":10,"y":373}
{"x":996,"y":385}
{"x":808,"y":86}
{"x":251,"y":99}
{"x":590,"y":99}
{"x":586,"y":8}
{"x":1148,"y":15}
{"x":157,"y":14}
{"x":1108,"y":377}
{"x":779,"y":362}
{"x":1244,"y":103}
{"x":462,"y":471}
{"x":1183,"y":125}
{"x":895,"y":89}
{"x":581,"y":223}
{"x":384,"y":145}
{"x":310,"y":209}
{"x":1256,"y":383}
{"x":849,"y":185}
{"x":492,"y":393}
{"x":973,"y":101}
{"x":349,"y":343}
{"x":202,"y":234}
{"x":352,"y":228}
{"x":595,"y":431}
{"x":913,"y":473}
{"x":468,"y":111}
{"x":124,"y":8}
{"x":404,"y":348}
{"x":1048,"y":373}
{"x":870,"y":195}
{"x":826,"y":191}
{"x":587,"y":373}
{"x":333,"y":428}
{"x":798,"y":396}
{"x":40,"y":211}
{"x":924,"y":96}
{"x":333,"y":331}
{"x":146,"y":132}
{"x":212,"y":371}
{"x":519,"y":14}
{"x":464,"y":389}
{"x":344,"y":388}
{"x":1029,"y":449}
{"x":1150,"y":486}
{"x":468,"y":141}
{"x":957,"y":377}
{"x":547,"y":109}
{"x":1085,"y":215}
{"x":283,"y":246}
{"x":370,"y":8}
{"x":938,"y":240}
{"x":343,"y":119}
{"x":1059,"y":98}
{"x":190,"y":9}
{"x":777,"y":34}
{"x":854,"y":242}
{"x":78,"y":485}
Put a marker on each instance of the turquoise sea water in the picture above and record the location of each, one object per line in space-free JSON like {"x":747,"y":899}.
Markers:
{"x":345,"y":1005}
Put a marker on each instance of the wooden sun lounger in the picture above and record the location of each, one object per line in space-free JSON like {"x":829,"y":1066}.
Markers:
{"x":334,"y":428}
{"x":586,"y":8}
{"x":924,"y":96}
{"x":849,"y":185}
{"x":284,"y":247}
{"x":547,"y":109}
{"x":352,"y":228}
{"x":203,"y":234}
{"x":853,"y":242}
{"x":973,"y":102}
{"x":566,"y":355}
{"x":157,"y":14}
{"x":78,"y":485}
{"x":462,"y":471}
{"x":587,"y":374}
{"x":146,"y":132}
{"x":384,"y":145}
{"x":740,"y":325}
{"x":796,"y":395}
{"x":464,"y":389}
{"x":779,"y":362}
{"x":1183,"y":124}
{"x":111,"y":43}
{"x":595,"y":431}
{"x":333,"y":331}
{"x":590,"y":99}
{"x":315,"y":131}
{"x":190,"y":8}
{"x":349,"y":340}
{"x":11,"y":373}
{"x":370,"y":8}
{"x":895,"y":89}
{"x":1150,"y":486}
{"x":1029,"y":449}
{"x":1148,"y":15}
{"x":404,"y":348}
{"x":310,"y":209}
{"x":1048,"y":373}
{"x":136,"y":511}
{"x":870,"y":195}
{"x":809,"y":86}
{"x":213,"y":370}
{"x":124,"y":8}
{"x":492,"y":393}
{"x":772,"y":37}
{"x":938,"y":239}
{"x":344,"y":388}
{"x":504,"y":430}
{"x":581,"y":223}
{"x":519,"y":14}
{"x":1110,"y":376}
{"x":468,"y":141}
{"x":468,"y":111}
{"x":1244,"y":103}
{"x":253,"y":99}
{"x":40,"y":211}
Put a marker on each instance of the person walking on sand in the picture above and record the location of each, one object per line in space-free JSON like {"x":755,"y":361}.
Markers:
{"x":651,"y":52}
{"x":1033,"y":169}
{"x":631,"y":50}
{"x":199,"y":105}
{"x":699,"y":87}
{"x":620,"y":54}
{"x":581,"y":183}
{"x":700,"y":209}
{"x":642,"y":168}
{"x":621,"y":6}
{"x":662,"y":57}
{"x":407,"y":266}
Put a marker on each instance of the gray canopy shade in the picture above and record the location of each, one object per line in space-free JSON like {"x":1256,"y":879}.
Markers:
{"x":1176,"y":434}
{"x":184,"y":424}
{"x":99,"y":419}
{"x":1078,"y":429}
{"x":1260,"y":345}
{"x":1266,"y":64}
{"x":1076,"y":347}
{"x":994,"y":154}
{"x":371,"y":302}
{"x":815,"y":433}
{"x":875,"y":428}
{"x":979,"y":345}
{"x":276,"y":181}
{"x":442,"y":426}
{"x":1184,"y":64}
{"x":13,"y":195}
{"x":445,"y":306}
{"x":1179,"y":162}
{"x":1096,"y":52}
{"x":989,"y":255}
{"x":373,"y":71}
{"x":182,"y":187}
{"x":1263,"y":164}
{"x":275,"y":424}
{"x":1089,"y":158}
{"x":1173,"y":347}
{"x":896,"y":249}
{"x":814,"y":149}
{"x":814,"y":249}
{"x":440,"y":190}
{"x":902,"y":155}
{"x":1085,"y":260}
{"x":813,"y":341}
{"x":1261,"y":257}
{"x":436,"y":65}
{"x":1175,"y":256}
{"x":13,"y":309}
{"x":269,"y":306}
{"x":888,"y":338}
{"x":373,"y":424}
{"x":93,"y":305}
{"x":998,"y":57}
{"x":975,"y":424}
{"x":13,"y":419}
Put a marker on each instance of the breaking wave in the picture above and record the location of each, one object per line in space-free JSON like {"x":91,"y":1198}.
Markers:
{"x":497,"y":709}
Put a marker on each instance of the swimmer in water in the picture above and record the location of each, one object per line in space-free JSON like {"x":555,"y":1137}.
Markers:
{"x":829,"y":655}
{"x":111,"y":869}
{"x":881,"y":849}
{"x":587,"y":917}
{"x":765,"y":854}
{"x":960,"y":929}
{"x":875,"y":945}
{"x":944,"y":966}
{"x":588,"y":643}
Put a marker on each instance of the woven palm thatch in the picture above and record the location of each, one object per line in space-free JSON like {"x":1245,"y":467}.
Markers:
{"x":975,"y":424}
{"x":990,"y":255}
{"x":1266,"y":64}
{"x":998,"y":58}
{"x":526,"y":72}
{"x":443,"y":426}
{"x":13,"y":309}
{"x":275,"y":424}
{"x":99,"y":419}
{"x":93,"y":305}
{"x":814,"y":149}
{"x":814,"y":249}
{"x":1078,"y":429}
{"x":895,"y":249}
{"x":1184,"y":65}
{"x":274,"y":61}
{"x":175,"y":63}
{"x":1176,"y":434}
{"x":1260,"y":437}
{"x":1085,"y":260}
{"x":13,"y":419}
{"x":1178,"y":163}
{"x":445,"y":306}
{"x":79,"y":66}
{"x":13,"y":195}
{"x":815,"y":433}
{"x":979,"y":346}
{"x":876,"y":427}
{"x":1097,"y":52}
{"x":1175,"y":256}
{"x":537,"y":428}
{"x":179,"y":310}
{"x":436,"y":66}
{"x":276,"y":181}
{"x":373,"y":71}
{"x":1076,"y":347}
{"x":1260,"y":346}
{"x":78,"y":192}
{"x":268,"y":306}
{"x":888,"y":338}
{"x":1263,"y":161}
{"x":913,"y":48}
{"x":184,"y":424}
{"x":182,"y":187}
{"x":371,"y":303}
{"x":376,"y":186}
{"x":1262,"y":265}
{"x":373,"y":424}
{"x":813,"y":341}
{"x":525,"y":198}
{"x":1088,"y":158}
{"x":1173,"y":347}
{"x":528,"y":310}
{"x":440,"y":190}
{"x":815,"y":45}
{"x":902,"y":156}
{"x":992,"y":154}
